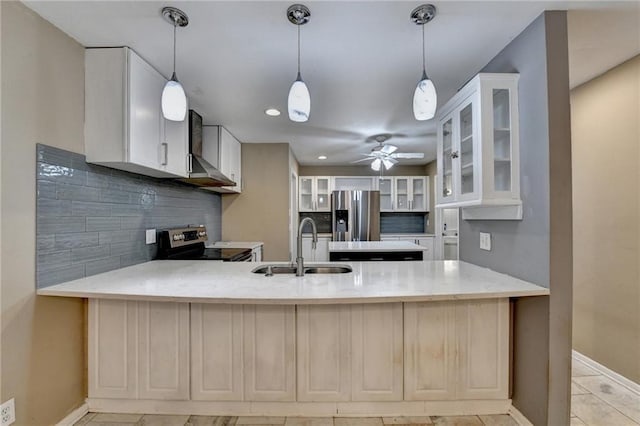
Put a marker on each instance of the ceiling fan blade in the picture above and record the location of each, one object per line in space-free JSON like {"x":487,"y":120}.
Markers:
{"x":389,"y":149}
{"x":407,"y":155}
{"x":362,"y":159}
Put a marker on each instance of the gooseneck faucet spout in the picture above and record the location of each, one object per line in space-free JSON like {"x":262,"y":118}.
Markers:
{"x":299,"y":259}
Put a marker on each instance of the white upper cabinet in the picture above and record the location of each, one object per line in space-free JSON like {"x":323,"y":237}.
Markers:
{"x":223,"y":151}
{"x":362,"y":183}
{"x":404,"y":194}
{"x":478,"y":149}
{"x":314,"y":194}
{"x":124,"y":126}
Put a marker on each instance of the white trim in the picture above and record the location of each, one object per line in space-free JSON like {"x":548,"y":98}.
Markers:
{"x":74,"y":416}
{"x":305,"y":409}
{"x":616,"y":377}
{"x":519,"y":417}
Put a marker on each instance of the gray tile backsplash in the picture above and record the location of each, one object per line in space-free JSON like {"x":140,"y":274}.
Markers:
{"x":402,"y":223}
{"x":92,"y":219}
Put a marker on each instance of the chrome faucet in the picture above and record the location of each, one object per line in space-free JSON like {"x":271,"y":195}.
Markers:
{"x":299,"y":259}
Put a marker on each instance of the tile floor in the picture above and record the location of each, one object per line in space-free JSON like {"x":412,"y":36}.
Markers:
{"x":595,"y":401}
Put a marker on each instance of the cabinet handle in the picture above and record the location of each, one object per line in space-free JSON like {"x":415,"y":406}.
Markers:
{"x":166,"y":153}
{"x":454,"y":154}
{"x":190,"y":163}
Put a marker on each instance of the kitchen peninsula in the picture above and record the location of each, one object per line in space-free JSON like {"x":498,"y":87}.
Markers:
{"x":389,"y":338}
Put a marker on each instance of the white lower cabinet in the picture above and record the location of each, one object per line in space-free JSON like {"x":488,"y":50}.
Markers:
{"x":350,"y":352}
{"x":113,"y":340}
{"x":320,"y":253}
{"x":269,"y":353}
{"x":323,"y":347}
{"x":163,"y":350}
{"x":216,"y":356}
{"x":138,"y":350}
{"x":457,"y":350}
{"x":377,"y":352}
{"x":376,"y":345}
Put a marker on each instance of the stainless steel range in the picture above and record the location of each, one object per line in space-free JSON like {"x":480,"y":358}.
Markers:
{"x":188,"y":243}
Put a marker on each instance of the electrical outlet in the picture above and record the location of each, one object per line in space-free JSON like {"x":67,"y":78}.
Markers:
{"x":151,"y":236}
{"x":485,"y":241}
{"x":7,"y":413}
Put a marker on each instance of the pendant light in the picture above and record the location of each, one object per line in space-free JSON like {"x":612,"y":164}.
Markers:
{"x":299,"y":102}
{"x":424,"y":98}
{"x":174,"y":100}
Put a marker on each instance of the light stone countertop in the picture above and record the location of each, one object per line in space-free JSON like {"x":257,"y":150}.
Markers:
{"x":236,"y":244}
{"x":374,"y":246}
{"x":233,"y":282}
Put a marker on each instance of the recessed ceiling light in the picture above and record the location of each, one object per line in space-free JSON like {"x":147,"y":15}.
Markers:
{"x":322,"y":157}
{"x":272,"y":112}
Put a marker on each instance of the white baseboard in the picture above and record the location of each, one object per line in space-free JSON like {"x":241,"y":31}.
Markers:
{"x":519,"y":417}
{"x":616,"y":377}
{"x":74,"y":416}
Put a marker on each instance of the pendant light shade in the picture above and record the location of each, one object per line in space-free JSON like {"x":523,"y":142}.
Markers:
{"x":174,"y":100}
{"x":375,"y":164}
{"x":425,"y":98}
{"x":299,"y":101}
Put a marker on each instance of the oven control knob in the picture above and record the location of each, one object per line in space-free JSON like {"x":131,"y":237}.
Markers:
{"x":202,"y":234}
{"x":176,"y":237}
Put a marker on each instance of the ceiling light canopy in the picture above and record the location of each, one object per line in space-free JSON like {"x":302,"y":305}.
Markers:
{"x":322,"y":157}
{"x":174,"y":100}
{"x":425,"y":98}
{"x":272,"y":112}
{"x":299,"y":102}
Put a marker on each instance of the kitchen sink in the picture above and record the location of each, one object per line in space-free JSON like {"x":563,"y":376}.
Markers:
{"x":308,"y":269}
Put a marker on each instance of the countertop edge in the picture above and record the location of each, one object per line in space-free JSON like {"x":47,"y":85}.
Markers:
{"x":297,"y":301}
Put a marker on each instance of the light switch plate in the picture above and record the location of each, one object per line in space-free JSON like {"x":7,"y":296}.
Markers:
{"x":151,"y":236}
{"x":485,"y":241}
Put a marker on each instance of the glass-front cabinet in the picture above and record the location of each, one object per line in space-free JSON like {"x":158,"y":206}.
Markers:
{"x":314,"y":194}
{"x":478,"y":155}
{"x":404,"y":194}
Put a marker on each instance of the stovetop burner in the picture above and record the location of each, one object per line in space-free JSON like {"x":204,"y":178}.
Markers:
{"x":188,"y":244}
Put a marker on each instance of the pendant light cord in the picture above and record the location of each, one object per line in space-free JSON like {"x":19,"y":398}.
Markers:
{"x":175,"y":24}
{"x":423,"y":54}
{"x":298,"y":49}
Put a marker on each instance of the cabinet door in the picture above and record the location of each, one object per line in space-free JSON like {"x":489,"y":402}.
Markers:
{"x":269,"y":352}
{"x":112,"y":360}
{"x":376,"y":342}
{"x":308,"y":253}
{"x":446,"y":152}
{"x":323,"y":341}
{"x":482,"y":328}
{"x":322,"y":194}
{"x":146,"y":124}
{"x":322,"y":249}
{"x":163,"y":345}
{"x":419,"y":194}
{"x":305,"y":194}
{"x":226,"y":152}
{"x":385,"y":186}
{"x":429,"y":351}
{"x":174,"y":152}
{"x":427,"y":242}
{"x":467,"y":171}
{"x":216,"y":358}
{"x":402,"y":191}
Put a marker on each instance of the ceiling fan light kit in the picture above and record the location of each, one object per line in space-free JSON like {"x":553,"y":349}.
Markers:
{"x":174,"y":100}
{"x":299,"y":101}
{"x":425,"y":98}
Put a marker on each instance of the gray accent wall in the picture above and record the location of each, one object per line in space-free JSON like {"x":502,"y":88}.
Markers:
{"x":537,"y":248}
{"x":92,"y":219}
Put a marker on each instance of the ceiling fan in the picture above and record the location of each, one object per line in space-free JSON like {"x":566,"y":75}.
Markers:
{"x":385,"y":154}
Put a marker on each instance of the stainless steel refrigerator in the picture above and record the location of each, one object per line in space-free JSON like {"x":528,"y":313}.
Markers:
{"x":355,"y":215}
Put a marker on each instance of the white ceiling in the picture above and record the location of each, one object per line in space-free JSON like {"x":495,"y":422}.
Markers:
{"x":361,"y":60}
